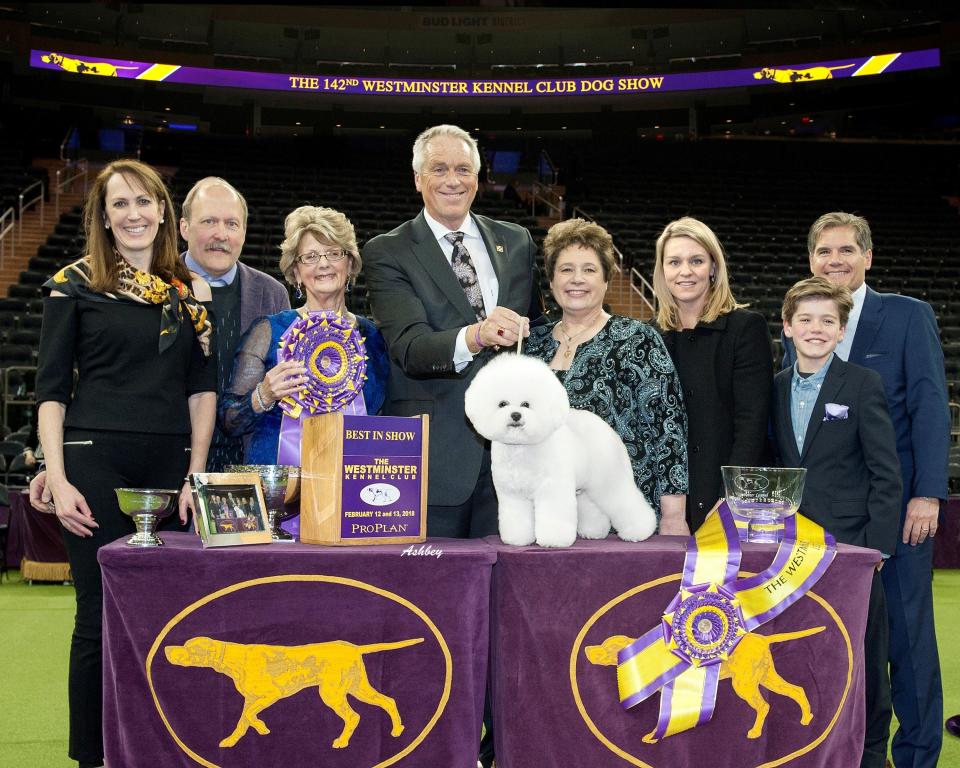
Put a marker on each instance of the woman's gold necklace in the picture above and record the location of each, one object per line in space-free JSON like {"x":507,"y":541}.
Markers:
{"x":569,"y":340}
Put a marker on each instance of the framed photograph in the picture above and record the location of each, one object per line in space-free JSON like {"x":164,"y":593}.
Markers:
{"x":230,"y":508}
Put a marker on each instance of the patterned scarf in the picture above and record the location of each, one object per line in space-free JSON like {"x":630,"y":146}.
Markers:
{"x":141,"y":288}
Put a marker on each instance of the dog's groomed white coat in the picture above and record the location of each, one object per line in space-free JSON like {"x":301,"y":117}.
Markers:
{"x":559,"y":472}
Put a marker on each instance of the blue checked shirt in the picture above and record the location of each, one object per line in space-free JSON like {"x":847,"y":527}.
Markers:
{"x":803,"y":396}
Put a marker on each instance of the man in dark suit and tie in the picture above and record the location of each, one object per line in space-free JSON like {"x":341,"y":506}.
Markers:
{"x":831,"y":418}
{"x":445,"y":288}
{"x":897,"y":336}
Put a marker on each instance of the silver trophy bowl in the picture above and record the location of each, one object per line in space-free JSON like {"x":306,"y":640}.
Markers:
{"x":276,"y":480}
{"x":764,"y":495}
{"x":147,"y":507}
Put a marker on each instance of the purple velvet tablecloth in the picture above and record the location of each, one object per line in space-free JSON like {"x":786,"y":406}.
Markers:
{"x":553,"y":707}
{"x":35,"y":536}
{"x":185,"y":629}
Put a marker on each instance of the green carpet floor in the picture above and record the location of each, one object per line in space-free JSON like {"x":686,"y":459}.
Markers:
{"x":35,"y":623}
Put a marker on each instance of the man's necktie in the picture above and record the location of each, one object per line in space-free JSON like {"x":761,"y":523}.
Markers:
{"x":466,"y":273}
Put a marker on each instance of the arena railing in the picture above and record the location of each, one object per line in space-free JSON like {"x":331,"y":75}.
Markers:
{"x":7,"y":222}
{"x":25,"y":204}
{"x":547,"y":161}
{"x":549,"y":197}
{"x":72,"y":171}
{"x":638,"y":283}
{"x":68,"y":143}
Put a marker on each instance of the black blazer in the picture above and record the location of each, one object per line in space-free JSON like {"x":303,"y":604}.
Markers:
{"x":853,"y":482}
{"x":726,"y":371}
{"x":420,"y":308}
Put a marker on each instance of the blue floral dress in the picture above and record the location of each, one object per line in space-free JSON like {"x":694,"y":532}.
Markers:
{"x":257,"y":354}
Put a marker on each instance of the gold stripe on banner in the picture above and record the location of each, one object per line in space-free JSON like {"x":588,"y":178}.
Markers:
{"x":641,"y":670}
{"x":807,"y":553}
{"x":158,"y":72}
{"x":712,"y":551}
{"x":687,"y":700}
{"x":876,"y":64}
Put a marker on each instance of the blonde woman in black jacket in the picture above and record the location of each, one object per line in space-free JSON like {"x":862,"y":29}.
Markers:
{"x":723,"y":356}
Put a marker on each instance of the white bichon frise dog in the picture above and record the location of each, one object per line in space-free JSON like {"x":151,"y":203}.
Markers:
{"x":558,"y":471}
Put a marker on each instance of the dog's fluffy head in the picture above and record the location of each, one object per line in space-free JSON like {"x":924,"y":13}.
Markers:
{"x":517,"y":400}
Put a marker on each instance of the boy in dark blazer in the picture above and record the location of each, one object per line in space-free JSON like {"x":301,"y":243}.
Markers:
{"x":831,"y":417}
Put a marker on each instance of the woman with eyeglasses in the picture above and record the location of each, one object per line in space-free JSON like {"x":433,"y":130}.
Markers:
{"x":319,"y":256}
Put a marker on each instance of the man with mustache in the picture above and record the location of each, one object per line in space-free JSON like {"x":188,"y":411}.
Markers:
{"x":214,"y":224}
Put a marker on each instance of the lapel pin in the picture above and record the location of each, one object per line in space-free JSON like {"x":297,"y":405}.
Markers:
{"x":499,"y":249}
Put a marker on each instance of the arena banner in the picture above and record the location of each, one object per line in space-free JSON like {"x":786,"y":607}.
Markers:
{"x":778,"y":76}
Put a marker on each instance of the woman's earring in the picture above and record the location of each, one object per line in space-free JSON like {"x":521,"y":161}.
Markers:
{"x":713,"y":278}
{"x":161,"y":220}
{"x":299,"y":293}
{"x":106,"y":225}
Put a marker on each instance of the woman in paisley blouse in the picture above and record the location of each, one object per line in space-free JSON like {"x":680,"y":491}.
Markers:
{"x":614,"y":366}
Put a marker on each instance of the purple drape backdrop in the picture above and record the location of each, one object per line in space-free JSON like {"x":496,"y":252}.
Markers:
{"x":547,"y":607}
{"x":289,"y":595}
{"x":14,"y":550}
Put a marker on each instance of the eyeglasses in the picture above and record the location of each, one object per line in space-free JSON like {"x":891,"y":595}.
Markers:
{"x":313,"y":257}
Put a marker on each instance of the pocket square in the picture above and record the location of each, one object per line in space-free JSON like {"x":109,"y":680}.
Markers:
{"x":836,"y":412}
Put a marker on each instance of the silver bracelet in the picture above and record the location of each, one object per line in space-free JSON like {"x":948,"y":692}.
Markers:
{"x":263,"y":406}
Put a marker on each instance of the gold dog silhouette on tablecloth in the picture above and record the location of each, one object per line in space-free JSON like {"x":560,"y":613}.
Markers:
{"x":80,"y":67}
{"x":750,"y":666}
{"x":798,"y":75}
{"x":264,"y":674}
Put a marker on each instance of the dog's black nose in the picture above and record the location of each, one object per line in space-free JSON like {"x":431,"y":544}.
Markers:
{"x":516,"y":416}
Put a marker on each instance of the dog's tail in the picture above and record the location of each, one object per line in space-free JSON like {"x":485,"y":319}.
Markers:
{"x":377,"y":647}
{"x":784,"y":636}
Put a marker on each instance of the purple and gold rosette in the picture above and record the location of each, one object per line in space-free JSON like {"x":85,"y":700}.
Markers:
{"x":682,"y":655}
{"x":332,"y":350}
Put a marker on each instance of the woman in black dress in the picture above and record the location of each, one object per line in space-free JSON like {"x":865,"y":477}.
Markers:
{"x":142,"y":411}
{"x":723,"y":355}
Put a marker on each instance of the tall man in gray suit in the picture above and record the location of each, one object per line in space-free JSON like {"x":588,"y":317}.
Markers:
{"x":445,"y":288}
{"x":214,"y":224}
